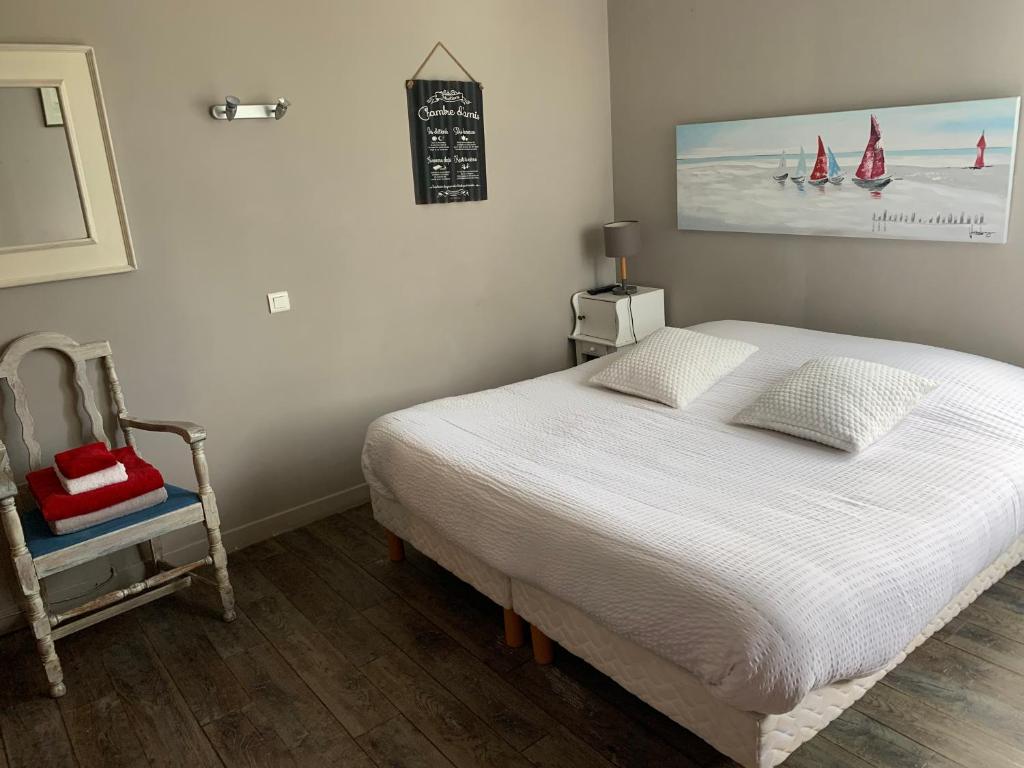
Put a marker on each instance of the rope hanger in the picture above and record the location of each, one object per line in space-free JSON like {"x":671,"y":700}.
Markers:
{"x":439,"y":44}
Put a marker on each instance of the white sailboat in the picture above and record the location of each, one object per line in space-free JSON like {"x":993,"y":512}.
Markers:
{"x":782,"y":173}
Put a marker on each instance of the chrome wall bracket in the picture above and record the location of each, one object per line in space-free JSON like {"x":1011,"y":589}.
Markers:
{"x":232,"y":109}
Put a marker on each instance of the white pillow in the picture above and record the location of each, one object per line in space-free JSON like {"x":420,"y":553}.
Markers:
{"x":838,"y":401}
{"x":673,"y":365}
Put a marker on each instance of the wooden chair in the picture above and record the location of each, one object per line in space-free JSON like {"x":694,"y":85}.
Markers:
{"x":38,"y":553}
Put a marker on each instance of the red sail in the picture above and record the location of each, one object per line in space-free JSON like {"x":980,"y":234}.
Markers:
{"x":821,"y":164}
{"x":872,"y":165}
{"x":979,"y":161}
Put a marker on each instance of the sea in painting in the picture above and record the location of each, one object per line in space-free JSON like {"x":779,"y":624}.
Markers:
{"x":930,"y":172}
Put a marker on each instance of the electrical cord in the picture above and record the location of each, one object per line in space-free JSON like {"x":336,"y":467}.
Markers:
{"x":632,"y":322}
{"x":86,"y":593}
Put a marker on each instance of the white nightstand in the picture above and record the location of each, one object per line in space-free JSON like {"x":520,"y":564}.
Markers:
{"x":607,"y":321}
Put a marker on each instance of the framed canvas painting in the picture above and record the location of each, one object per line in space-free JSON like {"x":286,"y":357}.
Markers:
{"x":930,"y":172}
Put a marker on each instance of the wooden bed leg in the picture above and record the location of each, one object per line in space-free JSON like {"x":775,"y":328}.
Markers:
{"x":543,"y":647}
{"x":514,"y":634}
{"x":396,"y":548}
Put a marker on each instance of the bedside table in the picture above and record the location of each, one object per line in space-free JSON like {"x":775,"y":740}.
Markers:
{"x":607,"y":322}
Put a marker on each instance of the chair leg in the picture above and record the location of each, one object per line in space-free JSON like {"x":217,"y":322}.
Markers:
{"x":152,"y":553}
{"x":32,"y":600}
{"x":217,"y":552}
{"x":39,"y":621}
{"x":220,"y":571}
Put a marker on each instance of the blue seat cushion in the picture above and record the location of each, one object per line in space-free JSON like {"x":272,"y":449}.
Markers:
{"x":42,"y":541}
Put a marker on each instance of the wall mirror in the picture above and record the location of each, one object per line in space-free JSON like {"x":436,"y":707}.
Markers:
{"x":61,"y":211}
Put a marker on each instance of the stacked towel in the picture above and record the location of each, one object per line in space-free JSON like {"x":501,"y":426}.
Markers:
{"x":88,"y":468}
{"x":84,"y":489}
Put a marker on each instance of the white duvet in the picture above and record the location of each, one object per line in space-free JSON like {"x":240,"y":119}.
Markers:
{"x":763,"y":564}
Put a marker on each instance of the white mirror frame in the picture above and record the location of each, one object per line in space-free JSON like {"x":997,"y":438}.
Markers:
{"x":107,"y":247}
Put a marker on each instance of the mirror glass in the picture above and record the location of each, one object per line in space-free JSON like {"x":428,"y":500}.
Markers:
{"x":39,"y":200}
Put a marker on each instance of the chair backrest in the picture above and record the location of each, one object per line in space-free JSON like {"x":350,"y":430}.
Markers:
{"x":79,"y":355}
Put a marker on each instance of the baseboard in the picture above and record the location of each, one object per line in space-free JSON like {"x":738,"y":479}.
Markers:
{"x":243,"y":535}
{"x":235,"y":538}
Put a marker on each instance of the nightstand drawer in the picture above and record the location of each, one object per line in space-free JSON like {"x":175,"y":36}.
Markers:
{"x":594,"y":350}
{"x":588,"y":350}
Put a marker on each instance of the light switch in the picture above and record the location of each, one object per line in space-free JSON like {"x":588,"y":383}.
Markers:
{"x":279,"y":302}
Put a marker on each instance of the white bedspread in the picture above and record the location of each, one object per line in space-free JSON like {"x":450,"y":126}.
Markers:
{"x":765,"y":565}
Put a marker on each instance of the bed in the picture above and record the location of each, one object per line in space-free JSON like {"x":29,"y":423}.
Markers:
{"x":748,"y":584}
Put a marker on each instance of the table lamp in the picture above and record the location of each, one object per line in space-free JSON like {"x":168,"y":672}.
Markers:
{"x":621,"y":241}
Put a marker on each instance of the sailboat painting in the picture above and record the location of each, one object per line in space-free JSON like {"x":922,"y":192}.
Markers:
{"x":930,"y":172}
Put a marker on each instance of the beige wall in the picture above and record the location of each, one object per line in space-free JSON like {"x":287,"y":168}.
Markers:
{"x":39,"y":200}
{"x":704,"y":60}
{"x":393,"y":304}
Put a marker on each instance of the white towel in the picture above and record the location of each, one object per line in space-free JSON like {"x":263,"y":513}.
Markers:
{"x":101,"y":479}
{"x":77,"y":523}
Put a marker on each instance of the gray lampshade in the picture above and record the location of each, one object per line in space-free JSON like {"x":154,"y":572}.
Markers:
{"x":621,"y":239}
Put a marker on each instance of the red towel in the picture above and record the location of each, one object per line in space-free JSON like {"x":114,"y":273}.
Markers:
{"x":85,"y":460}
{"x":56,"y":504}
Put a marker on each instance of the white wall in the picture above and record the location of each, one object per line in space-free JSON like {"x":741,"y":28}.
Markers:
{"x":393,"y":304}
{"x":694,"y":61}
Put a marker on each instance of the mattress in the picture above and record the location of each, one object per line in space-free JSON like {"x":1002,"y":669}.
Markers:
{"x":764,"y":565}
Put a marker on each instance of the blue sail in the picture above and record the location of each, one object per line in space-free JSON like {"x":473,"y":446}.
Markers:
{"x":833,"y":166}
{"x":801,"y":168}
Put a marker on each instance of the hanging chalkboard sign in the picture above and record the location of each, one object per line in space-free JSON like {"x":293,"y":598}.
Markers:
{"x":446,"y":131}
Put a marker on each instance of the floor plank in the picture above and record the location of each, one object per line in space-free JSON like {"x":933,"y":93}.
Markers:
{"x":398,"y":743}
{"x":241,"y":744}
{"x":964,"y":687}
{"x":339,"y":684}
{"x":1015,"y":577}
{"x":995,"y":615}
{"x":448,"y":723}
{"x":345,"y":577}
{"x":31,"y":726}
{"x":284,"y":704}
{"x":344,"y":627}
{"x":227,"y":638}
{"x":653,"y":721}
{"x":93,"y":713}
{"x":955,"y":739}
{"x":608,"y":731}
{"x":563,"y":750}
{"x":510,"y":714}
{"x":199,"y":672}
{"x":332,"y":637}
{"x":359,"y":545}
{"x":879,"y":745}
{"x":474,"y":621}
{"x":156,"y":711}
{"x":261,"y":550}
{"x":993,"y":647}
{"x":821,"y":753}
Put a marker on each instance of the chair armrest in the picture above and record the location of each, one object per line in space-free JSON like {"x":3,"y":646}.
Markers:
{"x":188,"y":431}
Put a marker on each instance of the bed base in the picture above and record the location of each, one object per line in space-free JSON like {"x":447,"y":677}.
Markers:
{"x":752,"y":739}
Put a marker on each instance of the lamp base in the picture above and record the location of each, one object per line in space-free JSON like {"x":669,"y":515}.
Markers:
{"x":622,"y":289}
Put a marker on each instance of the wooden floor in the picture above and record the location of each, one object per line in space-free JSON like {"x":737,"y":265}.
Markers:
{"x":341,"y":658}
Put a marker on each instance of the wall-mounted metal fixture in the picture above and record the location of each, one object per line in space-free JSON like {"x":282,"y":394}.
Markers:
{"x":233,"y":109}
